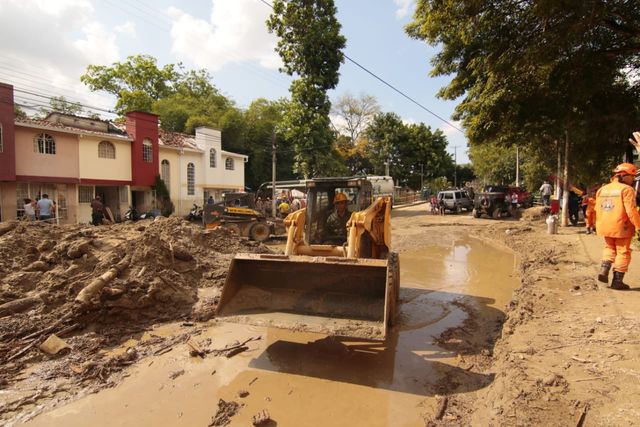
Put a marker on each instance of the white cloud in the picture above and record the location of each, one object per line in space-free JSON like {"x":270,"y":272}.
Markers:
{"x":99,"y":46}
{"x":409,"y":121}
{"x":49,"y":45}
{"x":449,"y":130}
{"x":128,"y":28}
{"x":235,"y":32}
{"x":404,"y":7}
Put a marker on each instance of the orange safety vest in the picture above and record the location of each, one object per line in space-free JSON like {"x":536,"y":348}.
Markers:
{"x":616,"y":214}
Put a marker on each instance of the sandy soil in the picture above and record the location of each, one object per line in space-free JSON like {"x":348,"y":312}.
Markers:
{"x":563,"y":351}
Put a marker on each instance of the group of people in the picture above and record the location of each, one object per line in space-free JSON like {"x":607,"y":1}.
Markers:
{"x":43,"y":209}
{"x":284,"y":205}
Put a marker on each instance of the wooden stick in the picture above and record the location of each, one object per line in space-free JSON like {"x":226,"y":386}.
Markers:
{"x":18,"y":305}
{"x":88,"y":292}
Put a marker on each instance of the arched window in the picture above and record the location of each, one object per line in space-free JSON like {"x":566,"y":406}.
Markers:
{"x":164,"y":172}
{"x":191,"y":179}
{"x":228,"y":164}
{"x":106,"y":150}
{"x":147,"y":151}
{"x":44,"y":144}
{"x":212,"y":158}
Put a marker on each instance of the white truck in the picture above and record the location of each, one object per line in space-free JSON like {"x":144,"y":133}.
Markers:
{"x":382,"y":186}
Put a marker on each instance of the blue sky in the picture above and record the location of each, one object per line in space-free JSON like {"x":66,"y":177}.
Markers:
{"x":54,"y":40}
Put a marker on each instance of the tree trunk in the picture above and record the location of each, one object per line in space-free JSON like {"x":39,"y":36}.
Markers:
{"x":91,"y":290}
{"x":565,"y":188}
{"x":18,"y":305}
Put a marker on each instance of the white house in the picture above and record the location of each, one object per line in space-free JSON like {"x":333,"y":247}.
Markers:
{"x":195,"y":168}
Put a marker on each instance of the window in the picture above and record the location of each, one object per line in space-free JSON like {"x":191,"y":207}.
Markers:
{"x":212,"y":158}
{"x":44,"y":144}
{"x":124,"y":194}
{"x":1,"y":145}
{"x":22,"y":192}
{"x":85,"y":194}
{"x":191,"y":179}
{"x":228,"y":164}
{"x":147,"y":151}
{"x":61,"y":193}
{"x":106,"y":150}
{"x":164,"y":172}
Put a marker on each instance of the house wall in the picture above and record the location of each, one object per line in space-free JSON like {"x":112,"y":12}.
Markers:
{"x":7,"y":130}
{"x":172,"y":157}
{"x":141,"y":125}
{"x":187,"y":200}
{"x":94,"y":167}
{"x":7,"y":201}
{"x":29,"y":163}
{"x":218,"y":178}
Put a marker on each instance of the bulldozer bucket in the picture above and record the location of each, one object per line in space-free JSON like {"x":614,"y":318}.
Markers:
{"x":329,"y":295}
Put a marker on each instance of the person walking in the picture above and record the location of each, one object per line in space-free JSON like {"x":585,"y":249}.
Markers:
{"x":46,"y":207}
{"x":590,"y":212}
{"x":617,"y":220}
{"x":546,"y":190}
{"x":30,"y":209}
{"x":97,"y":211}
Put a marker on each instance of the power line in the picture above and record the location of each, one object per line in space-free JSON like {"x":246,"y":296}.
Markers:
{"x":374,"y":75}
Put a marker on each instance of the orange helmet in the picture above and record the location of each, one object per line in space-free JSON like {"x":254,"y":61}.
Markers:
{"x":625,"y":169}
{"x":340,"y":197}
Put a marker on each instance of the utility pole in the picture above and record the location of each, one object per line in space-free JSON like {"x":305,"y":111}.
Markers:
{"x":455,"y":166}
{"x":517,"y":167}
{"x":558,"y":172}
{"x":273,"y":174}
{"x":386,"y":168}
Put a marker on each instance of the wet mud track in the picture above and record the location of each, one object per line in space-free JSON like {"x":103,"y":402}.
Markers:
{"x":453,"y":291}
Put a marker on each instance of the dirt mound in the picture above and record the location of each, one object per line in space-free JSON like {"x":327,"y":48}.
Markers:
{"x":146,"y":272}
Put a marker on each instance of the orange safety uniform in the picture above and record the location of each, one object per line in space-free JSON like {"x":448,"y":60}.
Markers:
{"x":590,"y":214}
{"x":617,"y":220}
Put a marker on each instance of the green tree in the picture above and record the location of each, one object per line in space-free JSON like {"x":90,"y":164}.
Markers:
{"x":533,"y":73}
{"x":137,"y":82}
{"x":310,"y":45}
{"x":61,"y":105}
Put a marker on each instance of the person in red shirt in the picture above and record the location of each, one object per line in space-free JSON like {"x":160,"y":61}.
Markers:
{"x":617,"y":220}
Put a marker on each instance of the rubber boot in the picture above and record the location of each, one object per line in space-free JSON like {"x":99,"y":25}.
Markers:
{"x":603,"y":276}
{"x":617,"y":283}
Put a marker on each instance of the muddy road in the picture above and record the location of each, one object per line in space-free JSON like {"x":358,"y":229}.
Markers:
{"x":492,"y":330}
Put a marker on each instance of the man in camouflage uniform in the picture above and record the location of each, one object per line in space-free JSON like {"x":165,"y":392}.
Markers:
{"x":336,"y":226}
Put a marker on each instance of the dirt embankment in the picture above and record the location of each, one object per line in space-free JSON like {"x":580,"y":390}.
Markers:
{"x":569,"y":348}
{"x":94,"y":287}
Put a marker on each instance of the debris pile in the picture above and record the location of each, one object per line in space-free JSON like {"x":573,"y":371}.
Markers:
{"x":114,"y":280}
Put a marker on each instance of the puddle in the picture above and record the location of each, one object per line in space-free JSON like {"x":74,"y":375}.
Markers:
{"x":306,"y":379}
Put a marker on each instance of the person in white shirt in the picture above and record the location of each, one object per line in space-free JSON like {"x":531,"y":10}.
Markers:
{"x":29,"y":209}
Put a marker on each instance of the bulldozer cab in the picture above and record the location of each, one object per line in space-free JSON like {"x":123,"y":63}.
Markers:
{"x":320,"y":205}
{"x":347,"y":288}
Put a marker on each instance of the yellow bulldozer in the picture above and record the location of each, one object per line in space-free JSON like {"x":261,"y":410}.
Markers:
{"x":344,"y":285}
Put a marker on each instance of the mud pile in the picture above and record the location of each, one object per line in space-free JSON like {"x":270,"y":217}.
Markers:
{"x":163,"y":263}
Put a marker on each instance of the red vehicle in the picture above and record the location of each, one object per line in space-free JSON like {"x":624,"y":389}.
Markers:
{"x":524,"y":197}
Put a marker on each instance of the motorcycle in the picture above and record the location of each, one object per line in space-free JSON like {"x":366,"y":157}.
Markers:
{"x":195,"y":214}
{"x":132,"y":214}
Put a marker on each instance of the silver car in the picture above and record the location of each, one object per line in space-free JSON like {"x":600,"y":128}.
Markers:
{"x":455,"y":200}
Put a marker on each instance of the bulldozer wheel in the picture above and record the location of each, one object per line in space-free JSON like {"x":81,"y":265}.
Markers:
{"x":259,"y":232}
{"x":234,"y":228}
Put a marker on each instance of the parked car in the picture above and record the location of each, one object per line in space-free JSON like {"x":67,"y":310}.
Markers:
{"x":455,"y":200}
{"x":491,"y":201}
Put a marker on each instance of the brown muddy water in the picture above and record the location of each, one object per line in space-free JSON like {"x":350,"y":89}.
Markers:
{"x":304,"y":379}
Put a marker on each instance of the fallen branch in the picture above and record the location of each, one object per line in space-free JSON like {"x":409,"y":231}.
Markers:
{"x":589,"y":379}
{"x":577,"y":359}
{"x":442,"y":407}
{"x":7,"y":227}
{"x":18,"y":305}
{"x":235,"y":346}
{"x":92,"y":289}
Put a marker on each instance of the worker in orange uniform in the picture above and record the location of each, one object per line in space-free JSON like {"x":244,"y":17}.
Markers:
{"x":590,"y":213}
{"x":617,"y":219}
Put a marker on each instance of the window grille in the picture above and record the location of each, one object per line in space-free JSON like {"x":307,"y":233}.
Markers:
{"x":228,"y":164}
{"x":147,"y":151}
{"x":44,"y":144}
{"x":191,"y":179}
{"x":106,"y":150}
{"x":85,"y":194}
{"x":212,"y":158}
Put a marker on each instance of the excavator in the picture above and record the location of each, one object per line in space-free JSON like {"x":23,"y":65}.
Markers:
{"x":342,"y":286}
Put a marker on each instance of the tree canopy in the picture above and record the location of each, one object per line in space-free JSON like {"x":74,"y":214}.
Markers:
{"x":310,"y":46}
{"x":532,"y":73}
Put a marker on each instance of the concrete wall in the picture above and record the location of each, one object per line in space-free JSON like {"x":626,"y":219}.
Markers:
{"x":94,"y":167}
{"x":63,"y":164}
